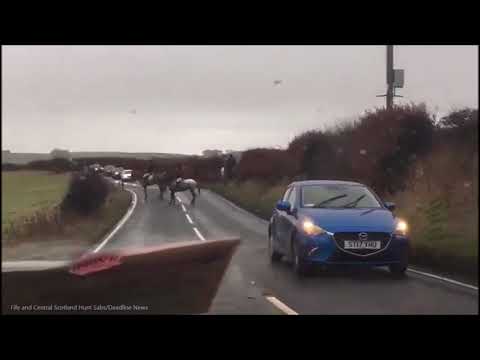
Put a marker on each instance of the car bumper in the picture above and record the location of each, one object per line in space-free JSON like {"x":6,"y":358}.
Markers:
{"x":323,"y":250}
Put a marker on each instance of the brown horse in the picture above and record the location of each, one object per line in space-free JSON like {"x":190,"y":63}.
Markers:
{"x":155,"y":179}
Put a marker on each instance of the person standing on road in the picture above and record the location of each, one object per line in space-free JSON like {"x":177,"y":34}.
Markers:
{"x":229,"y":167}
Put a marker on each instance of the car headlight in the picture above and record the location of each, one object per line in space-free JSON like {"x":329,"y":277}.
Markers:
{"x":311,"y":229}
{"x":401,"y":228}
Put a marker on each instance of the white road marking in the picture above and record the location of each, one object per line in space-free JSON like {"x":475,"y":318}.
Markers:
{"x":178,"y":199}
{"x":189,"y":219}
{"x":281,"y":306}
{"x":183,"y":208}
{"x":443,"y":279}
{"x":198,"y":234}
{"x":120,"y":223}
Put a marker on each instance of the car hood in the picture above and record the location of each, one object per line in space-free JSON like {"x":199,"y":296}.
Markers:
{"x":340,"y":220}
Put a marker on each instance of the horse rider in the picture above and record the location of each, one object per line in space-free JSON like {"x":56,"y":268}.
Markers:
{"x":150,"y":170}
{"x":178,"y":174}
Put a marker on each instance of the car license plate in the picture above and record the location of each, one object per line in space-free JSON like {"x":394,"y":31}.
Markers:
{"x":348,"y":244}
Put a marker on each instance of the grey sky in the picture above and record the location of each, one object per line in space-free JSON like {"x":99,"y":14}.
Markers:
{"x":190,"y":98}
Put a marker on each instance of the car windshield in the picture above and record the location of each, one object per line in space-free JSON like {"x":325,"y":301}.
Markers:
{"x":185,"y":179}
{"x":338,"y":196}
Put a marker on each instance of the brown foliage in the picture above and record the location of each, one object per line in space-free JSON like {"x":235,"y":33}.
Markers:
{"x":267,"y":164}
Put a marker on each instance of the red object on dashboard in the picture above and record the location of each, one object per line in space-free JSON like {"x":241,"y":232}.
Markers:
{"x":94,"y":264}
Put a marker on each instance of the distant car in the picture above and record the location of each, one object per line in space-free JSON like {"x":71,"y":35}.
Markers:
{"x":93,"y":167}
{"x":109,"y":169}
{"x":337,"y":223}
{"x":117,"y":173}
{"x":127,"y":175}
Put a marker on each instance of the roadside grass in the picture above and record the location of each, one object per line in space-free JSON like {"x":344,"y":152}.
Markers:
{"x":48,"y":223}
{"x":25,"y":193}
{"x":94,"y":227}
{"x":444,"y":231}
{"x":253,"y":196}
{"x":51,"y":224}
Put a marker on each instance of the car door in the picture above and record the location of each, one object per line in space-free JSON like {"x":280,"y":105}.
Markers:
{"x":290,"y":219}
{"x":278,"y":221}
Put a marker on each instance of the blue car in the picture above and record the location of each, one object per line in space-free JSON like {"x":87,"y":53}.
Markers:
{"x":336,"y":223}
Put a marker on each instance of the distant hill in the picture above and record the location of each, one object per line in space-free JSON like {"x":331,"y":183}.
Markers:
{"x":24,"y":158}
{"x":107,"y":154}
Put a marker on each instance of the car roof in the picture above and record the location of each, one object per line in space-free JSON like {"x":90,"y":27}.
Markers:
{"x":324,"y":182}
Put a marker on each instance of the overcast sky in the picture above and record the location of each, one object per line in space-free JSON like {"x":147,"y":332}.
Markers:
{"x":185,"y":99}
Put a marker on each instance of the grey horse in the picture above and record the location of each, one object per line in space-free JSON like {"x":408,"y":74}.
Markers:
{"x":155,"y":179}
{"x":183,"y":185}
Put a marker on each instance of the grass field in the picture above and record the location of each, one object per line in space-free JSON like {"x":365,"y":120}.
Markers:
{"x":32,"y":225}
{"x":26,"y":192}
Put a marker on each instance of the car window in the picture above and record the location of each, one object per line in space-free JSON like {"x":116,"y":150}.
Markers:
{"x":292,"y":197}
{"x":338,"y":196}
{"x":287,"y":193}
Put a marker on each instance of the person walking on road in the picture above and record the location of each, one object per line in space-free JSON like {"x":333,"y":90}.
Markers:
{"x":229,"y":167}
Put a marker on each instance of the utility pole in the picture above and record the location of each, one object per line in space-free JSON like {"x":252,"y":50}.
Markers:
{"x":395,"y":79}
{"x":390,"y":77}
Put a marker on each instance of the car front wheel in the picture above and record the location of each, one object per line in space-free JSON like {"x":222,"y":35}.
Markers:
{"x":300,"y":267}
{"x":273,"y":255}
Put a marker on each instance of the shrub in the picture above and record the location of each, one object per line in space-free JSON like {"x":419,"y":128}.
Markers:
{"x":266,"y":165}
{"x":57,"y":165}
{"x":86,"y":194}
{"x":385,"y":143}
{"x":206,"y":170}
{"x":320,"y":155}
{"x":460,"y":127}
{"x":11,"y":167}
{"x":413,"y":138}
{"x":377,"y":149}
{"x":60,"y":165}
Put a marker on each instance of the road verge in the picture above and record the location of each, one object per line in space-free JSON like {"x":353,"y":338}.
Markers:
{"x":74,"y":234}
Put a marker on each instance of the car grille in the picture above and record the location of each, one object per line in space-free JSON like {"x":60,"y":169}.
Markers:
{"x":383,"y":237}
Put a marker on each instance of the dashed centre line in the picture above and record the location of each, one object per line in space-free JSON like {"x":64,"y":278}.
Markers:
{"x":280,"y":305}
{"x":198,"y":234}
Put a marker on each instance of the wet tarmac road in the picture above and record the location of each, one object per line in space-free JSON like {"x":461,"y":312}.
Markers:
{"x":254,"y":286}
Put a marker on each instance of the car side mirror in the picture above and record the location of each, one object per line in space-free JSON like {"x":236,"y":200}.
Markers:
{"x":283,"y":206}
{"x":390,"y":205}
{"x":294,"y":212}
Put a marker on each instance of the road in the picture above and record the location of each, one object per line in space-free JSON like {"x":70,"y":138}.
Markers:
{"x":254,"y":286}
